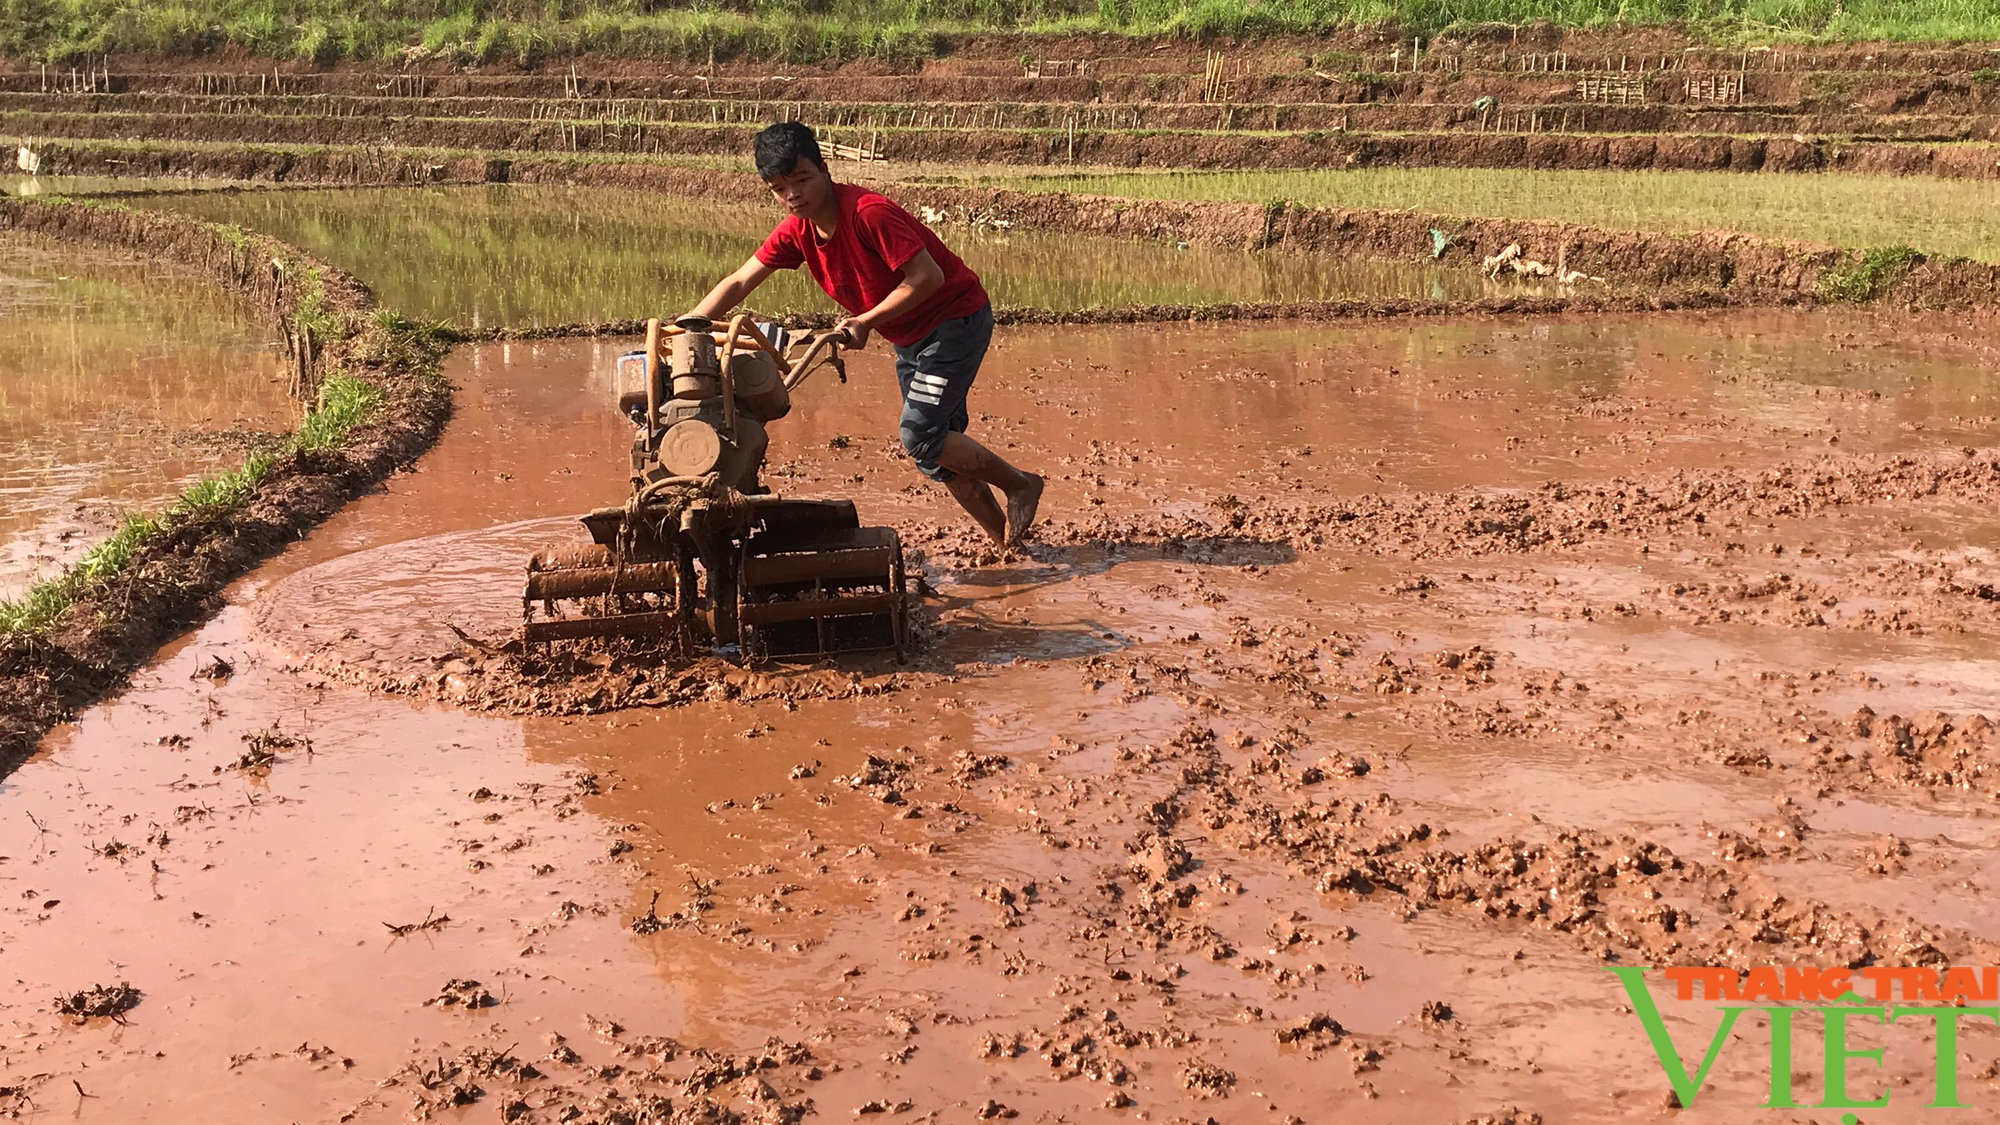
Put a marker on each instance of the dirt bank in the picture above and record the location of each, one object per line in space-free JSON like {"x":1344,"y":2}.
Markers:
{"x":1525,"y":144}
{"x":849,"y":108}
{"x":116,"y":624}
{"x":1379,"y":49}
{"x":1245,"y":311}
{"x":1834,"y":91}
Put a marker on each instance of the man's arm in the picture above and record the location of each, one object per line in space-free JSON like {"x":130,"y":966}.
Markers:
{"x":921,"y":278}
{"x":731,"y":290}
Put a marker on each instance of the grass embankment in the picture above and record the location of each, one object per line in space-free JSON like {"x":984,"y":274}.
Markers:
{"x":1947,"y":217}
{"x":343,"y":403}
{"x":526,"y":31}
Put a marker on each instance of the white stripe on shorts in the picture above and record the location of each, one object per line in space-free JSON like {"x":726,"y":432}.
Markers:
{"x":937,"y":382}
{"x":926,"y":399}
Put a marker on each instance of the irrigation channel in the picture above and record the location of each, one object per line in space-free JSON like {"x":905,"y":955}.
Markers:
{"x":121,"y":382}
{"x":1370,"y":687}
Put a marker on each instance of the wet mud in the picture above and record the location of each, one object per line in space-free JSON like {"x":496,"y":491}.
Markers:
{"x":122,"y":381}
{"x":1369,"y":689}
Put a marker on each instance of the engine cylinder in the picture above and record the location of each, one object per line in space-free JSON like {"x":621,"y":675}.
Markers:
{"x":692,"y":359}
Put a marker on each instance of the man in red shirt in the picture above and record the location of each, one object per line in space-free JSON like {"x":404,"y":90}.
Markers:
{"x":893,"y":276}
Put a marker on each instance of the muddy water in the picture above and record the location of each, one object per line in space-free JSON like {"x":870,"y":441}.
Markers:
{"x":121,"y":382}
{"x":1145,"y":806}
{"x":520,"y":255}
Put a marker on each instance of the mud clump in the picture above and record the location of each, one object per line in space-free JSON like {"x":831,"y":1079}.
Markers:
{"x":465,"y":995}
{"x":1206,"y":1079}
{"x":449,"y":1084}
{"x":593,"y":682}
{"x":99,"y":1001}
{"x":1318,"y":1030}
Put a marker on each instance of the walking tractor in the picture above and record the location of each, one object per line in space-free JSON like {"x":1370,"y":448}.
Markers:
{"x":701,"y":556}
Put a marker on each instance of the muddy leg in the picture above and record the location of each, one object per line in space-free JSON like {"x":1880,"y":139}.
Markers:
{"x":968,"y":458}
{"x":976,"y":497}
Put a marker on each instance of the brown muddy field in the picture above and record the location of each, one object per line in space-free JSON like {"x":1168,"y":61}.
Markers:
{"x":1368,"y":690}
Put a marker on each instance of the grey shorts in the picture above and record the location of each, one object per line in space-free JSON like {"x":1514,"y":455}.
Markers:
{"x":935,"y":373}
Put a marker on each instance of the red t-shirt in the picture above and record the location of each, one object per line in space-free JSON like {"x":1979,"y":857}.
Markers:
{"x":863,"y":262}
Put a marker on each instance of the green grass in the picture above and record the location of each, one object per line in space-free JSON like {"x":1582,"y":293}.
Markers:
{"x":316,"y":322}
{"x":1868,"y":274}
{"x":344,"y":403}
{"x":228,"y":490}
{"x":47,"y":600}
{"x":1949,"y":217}
{"x":528,"y":31}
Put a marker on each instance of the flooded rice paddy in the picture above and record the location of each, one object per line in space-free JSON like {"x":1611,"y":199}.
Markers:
{"x":530,"y":255}
{"x":1368,"y":690}
{"x":30,"y":187}
{"x":121,"y":381}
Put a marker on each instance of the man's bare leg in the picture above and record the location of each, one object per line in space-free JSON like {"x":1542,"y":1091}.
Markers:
{"x":976,"y":497}
{"x":967,"y":458}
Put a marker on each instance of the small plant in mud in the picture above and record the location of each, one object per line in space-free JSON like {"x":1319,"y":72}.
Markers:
{"x":650,"y":922}
{"x":839,"y":441}
{"x":432,"y":921}
{"x":1867,"y":277}
{"x":261,"y":748}
{"x":407,"y":344}
{"x":99,"y":1001}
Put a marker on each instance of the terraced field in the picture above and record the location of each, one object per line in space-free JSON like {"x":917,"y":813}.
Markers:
{"x":1516,"y":508}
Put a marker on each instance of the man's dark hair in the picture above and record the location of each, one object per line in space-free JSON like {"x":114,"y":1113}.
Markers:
{"x":780,"y":148}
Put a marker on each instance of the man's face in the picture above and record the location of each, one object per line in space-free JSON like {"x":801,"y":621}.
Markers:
{"x":803,"y":189}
